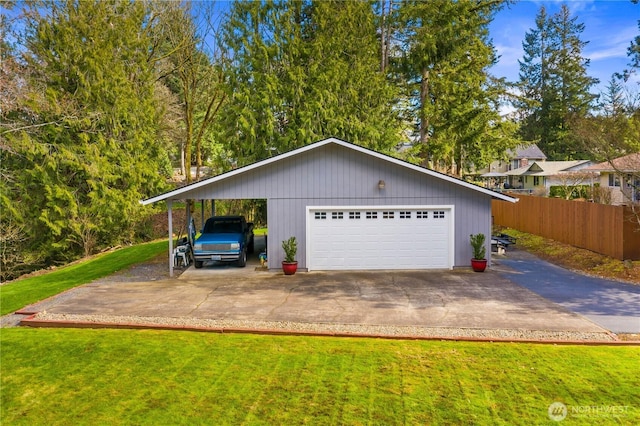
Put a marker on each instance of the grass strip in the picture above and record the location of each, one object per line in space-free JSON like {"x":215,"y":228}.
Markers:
{"x":20,"y":293}
{"x":260,"y":231}
{"x":58,"y":376}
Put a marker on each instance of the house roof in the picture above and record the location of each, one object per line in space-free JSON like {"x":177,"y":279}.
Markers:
{"x":531,"y":152}
{"x":182,"y":193}
{"x":547,"y":168}
{"x":628,"y":163}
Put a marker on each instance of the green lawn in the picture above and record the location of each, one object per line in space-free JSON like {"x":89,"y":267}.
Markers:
{"x":20,"y":293}
{"x":260,"y":231}
{"x":56,"y":376}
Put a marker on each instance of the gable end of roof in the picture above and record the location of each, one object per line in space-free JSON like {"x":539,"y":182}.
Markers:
{"x":174,"y":194}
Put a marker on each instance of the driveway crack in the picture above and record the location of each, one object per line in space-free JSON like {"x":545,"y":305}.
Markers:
{"x":203,"y":300}
{"x":402,"y":289}
{"x":286,"y":299}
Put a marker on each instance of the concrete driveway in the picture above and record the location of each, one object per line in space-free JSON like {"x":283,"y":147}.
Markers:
{"x":611,"y":304}
{"x":458,"y":298}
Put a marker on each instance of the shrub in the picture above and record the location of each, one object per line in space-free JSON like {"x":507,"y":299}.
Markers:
{"x":477,"y":244}
{"x":290,"y":248}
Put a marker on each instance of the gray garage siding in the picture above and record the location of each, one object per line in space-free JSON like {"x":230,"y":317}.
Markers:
{"x":333,"y":175}
{"x":332,"y":172}
{"x":289,"y":218}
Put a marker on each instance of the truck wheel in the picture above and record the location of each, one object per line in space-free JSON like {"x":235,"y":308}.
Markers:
{"x":198,"y":264}
{"x":242,"y":262}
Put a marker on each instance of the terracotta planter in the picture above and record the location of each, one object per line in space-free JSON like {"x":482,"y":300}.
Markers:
{"x":479,"y":265}
{"x":289,"y":268}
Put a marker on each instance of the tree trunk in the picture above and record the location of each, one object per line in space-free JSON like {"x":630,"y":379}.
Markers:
{"x":385,"y":33}
{"x":182,"y":168}
{"x":424,"y":122}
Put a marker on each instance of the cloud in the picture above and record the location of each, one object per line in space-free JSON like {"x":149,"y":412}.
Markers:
{"x":575,"y":6}
{"x":612,"y":45}
{"x":509,"y":55}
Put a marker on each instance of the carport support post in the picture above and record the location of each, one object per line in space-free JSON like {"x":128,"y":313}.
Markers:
{"x":170,"y":220}
{"x":202,"y":213}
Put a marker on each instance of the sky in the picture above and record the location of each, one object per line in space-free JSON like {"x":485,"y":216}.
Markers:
{"x":610,"y":25}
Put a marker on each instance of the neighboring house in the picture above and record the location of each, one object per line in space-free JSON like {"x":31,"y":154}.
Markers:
{"x":622,"y":177}
{"x":522,"y":156}
{"x":545,"y":174}
{"x":352,"y":208}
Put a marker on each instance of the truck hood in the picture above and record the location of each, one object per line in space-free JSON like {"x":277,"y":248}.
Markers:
{"x":219,"y":238}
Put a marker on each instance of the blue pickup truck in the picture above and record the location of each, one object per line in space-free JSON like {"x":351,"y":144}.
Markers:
{"x":224,"y":239}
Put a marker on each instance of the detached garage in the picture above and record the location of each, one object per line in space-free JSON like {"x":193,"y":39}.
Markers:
{"x":351,"y":208}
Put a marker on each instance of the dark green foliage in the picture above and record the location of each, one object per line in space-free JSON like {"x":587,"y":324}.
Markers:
{"x":254,"y":210}
{"x":300,"y":72}
{"x":634,"y":50}
{"x":84,"y":142}
{"x":570,"y":192}
{"x":445,"y":58}
{"x":555,"y":85}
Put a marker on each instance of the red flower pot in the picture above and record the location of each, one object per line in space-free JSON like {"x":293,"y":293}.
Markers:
{"x":479,"y":265}
{"x":289,"y":268}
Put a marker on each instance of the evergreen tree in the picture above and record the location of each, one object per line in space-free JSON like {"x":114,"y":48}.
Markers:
{"x":634,"y":49}
{"x":445,"y":62}
{"x":554,"y":84}
{"x":88,"y":148}
{"x":303,"y":71}
{"x":613,"y":131}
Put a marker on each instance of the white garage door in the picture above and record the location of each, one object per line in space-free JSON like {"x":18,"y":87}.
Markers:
{"x":379,"y":238}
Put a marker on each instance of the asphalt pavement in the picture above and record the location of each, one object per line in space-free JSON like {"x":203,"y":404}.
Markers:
{"x":611,"y":304}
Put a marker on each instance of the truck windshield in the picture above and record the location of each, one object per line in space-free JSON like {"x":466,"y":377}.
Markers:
{"x":223,"y":227}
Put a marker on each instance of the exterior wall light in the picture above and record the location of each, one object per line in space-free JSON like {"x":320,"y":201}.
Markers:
{"x":381,"y":184}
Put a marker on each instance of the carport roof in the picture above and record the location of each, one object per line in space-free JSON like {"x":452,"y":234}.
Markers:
{"x":183,"y":192}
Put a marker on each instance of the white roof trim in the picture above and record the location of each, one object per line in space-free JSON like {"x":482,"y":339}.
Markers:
{"x":177,"y":192}
{"x":549,"y":168}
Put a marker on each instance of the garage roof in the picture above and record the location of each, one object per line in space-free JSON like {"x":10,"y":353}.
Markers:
{"x":183,"y":192}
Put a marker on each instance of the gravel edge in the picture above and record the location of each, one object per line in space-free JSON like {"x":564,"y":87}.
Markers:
{"x":327,"y":328}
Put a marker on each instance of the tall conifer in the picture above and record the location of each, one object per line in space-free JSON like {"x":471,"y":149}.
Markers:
{"x":89,"y":149}
{"x":446,"y":55}
{"x":555,"y":84}
{"x":303,"y":71}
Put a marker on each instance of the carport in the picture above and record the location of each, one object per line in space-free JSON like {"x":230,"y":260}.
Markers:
{"x":352,"y":208}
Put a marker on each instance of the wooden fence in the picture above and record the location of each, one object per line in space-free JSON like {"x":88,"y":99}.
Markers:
{"x":608,"y":230}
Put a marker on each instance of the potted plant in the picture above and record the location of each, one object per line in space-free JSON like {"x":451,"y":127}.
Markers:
{"x":478,"y":262}
{"x":290,"y":247}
